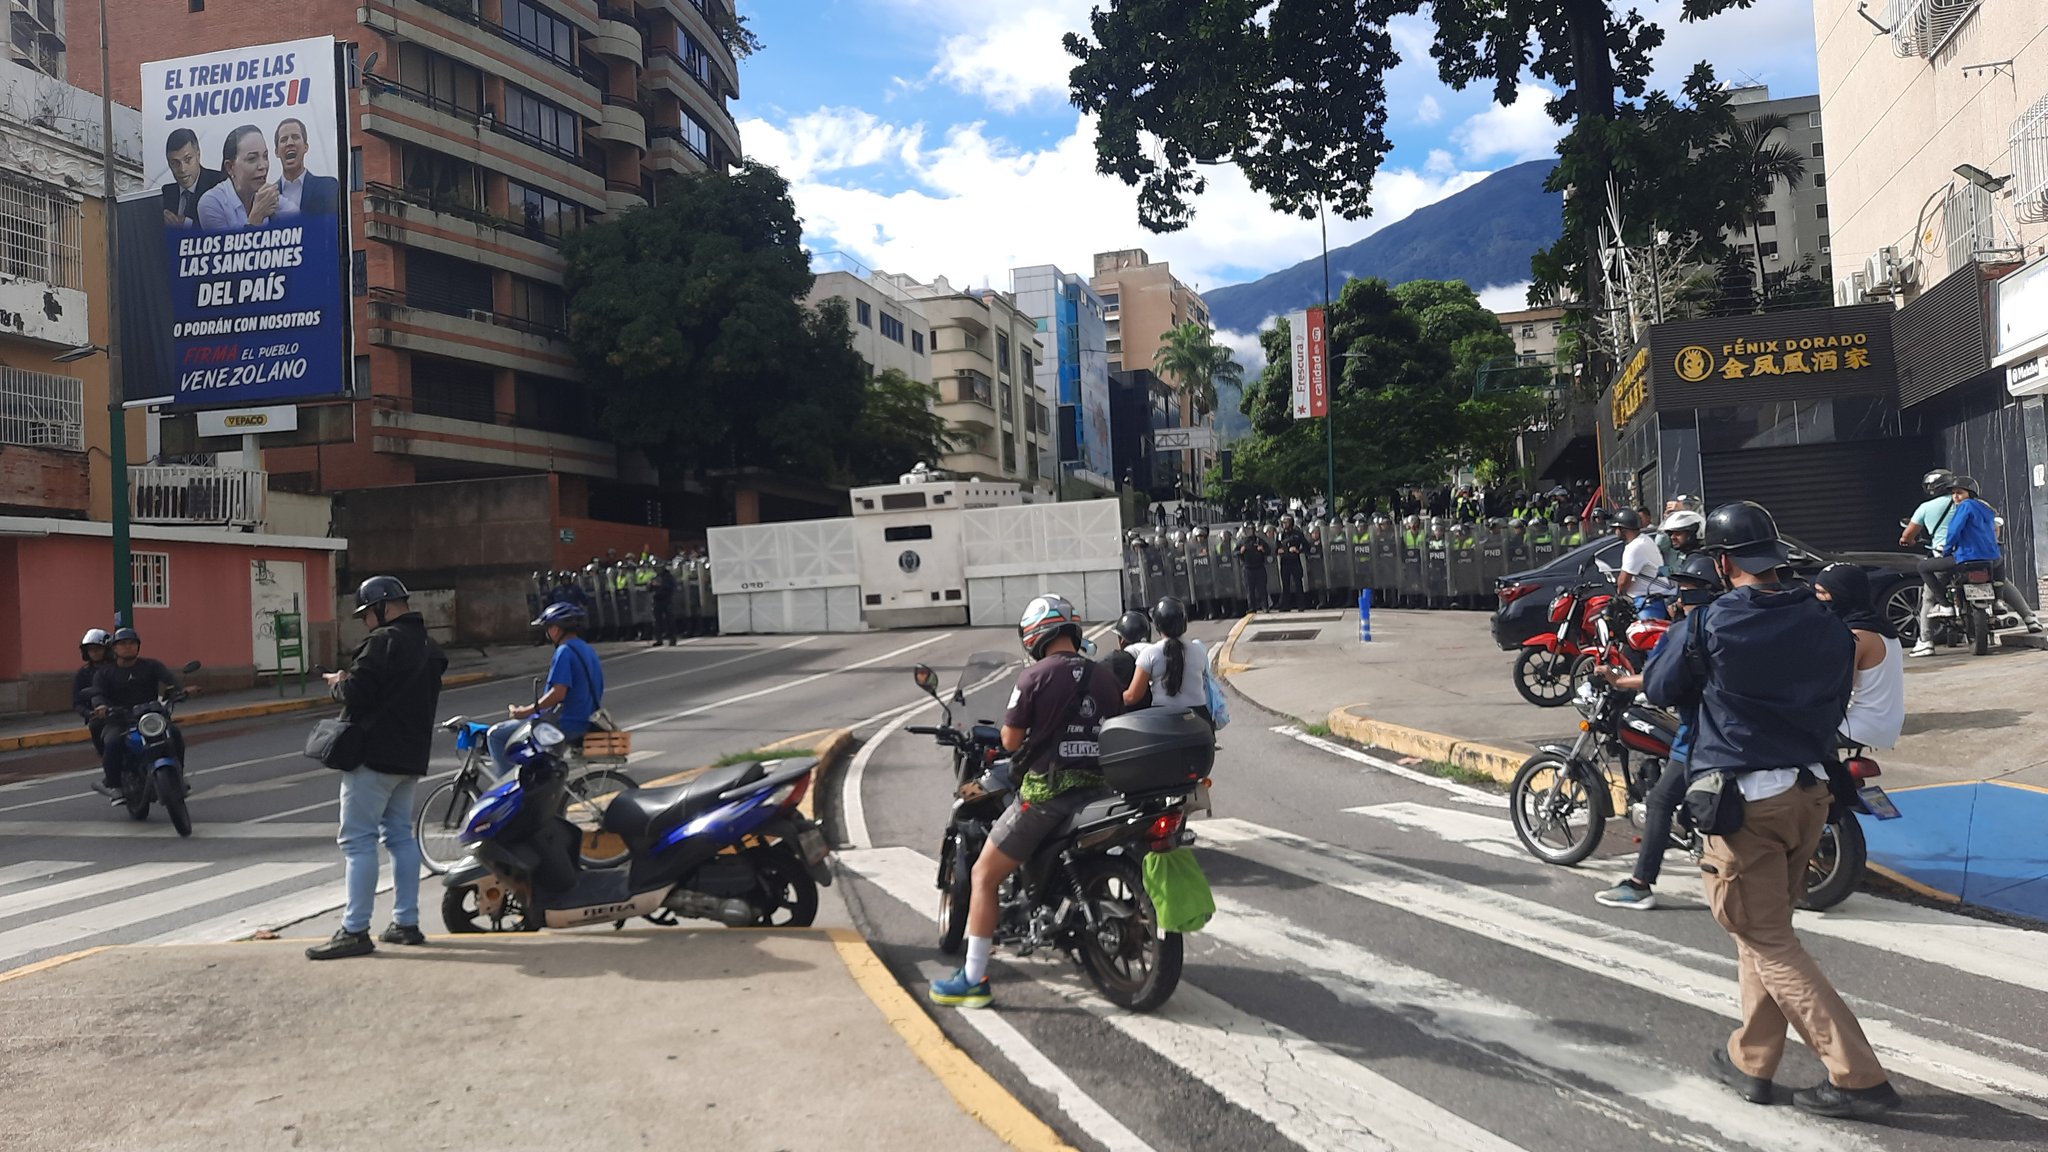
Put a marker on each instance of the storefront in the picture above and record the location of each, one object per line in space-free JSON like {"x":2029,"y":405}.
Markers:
{"x":1795,"y":410}
{"x":2020,"y":368}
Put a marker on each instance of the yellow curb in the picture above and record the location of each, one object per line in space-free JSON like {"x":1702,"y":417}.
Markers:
{"x":64,"y":736}
{"x":1914,"y":886}
{"x":52,"y":962}
{"x":1226,"y":660}
{"x":977,"y":1093}
{"x":1497,"y":763}
{"x":824,"y":743}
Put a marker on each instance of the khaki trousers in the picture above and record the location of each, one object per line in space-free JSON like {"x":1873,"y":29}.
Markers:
{"x":1753,"y":880}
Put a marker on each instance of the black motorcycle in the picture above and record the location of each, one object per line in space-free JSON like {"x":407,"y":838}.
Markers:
{"x":1974,"y":612}
{"x":1083,"y":892}
{"x":150,"y":769}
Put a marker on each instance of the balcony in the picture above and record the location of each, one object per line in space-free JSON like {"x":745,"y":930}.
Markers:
{"x":423,"y":220}
{"x":451,"y":28}
{"x":2030,"y":163}
{"x":620,"y":195}
{"x":617,"y":38}
{"x":692,"y":15}
{"x":38,"y":410}
{"x":624,"y":122}
{"x":421,"y":324}
{"x":1924,"y":27}
{"x":398,"y":112}
{"x":669,"y":151}
{"x":181,"y":494}
{"x":402,"y":428}
{"x":968,"y":400}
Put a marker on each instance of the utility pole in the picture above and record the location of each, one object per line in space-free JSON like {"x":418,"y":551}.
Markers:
{"x":1329,"y":380}
{"x":117,"y":414}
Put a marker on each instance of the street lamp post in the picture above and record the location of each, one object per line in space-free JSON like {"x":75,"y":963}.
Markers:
{"x":117,"y":415}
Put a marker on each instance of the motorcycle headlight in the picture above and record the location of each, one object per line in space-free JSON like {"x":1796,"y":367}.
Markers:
{"x":152,"y":725}
{"x":1587,"y":697}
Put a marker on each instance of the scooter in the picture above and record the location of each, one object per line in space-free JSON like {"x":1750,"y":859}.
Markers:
{"x":150,"y":769}
{"x":728,"y":846}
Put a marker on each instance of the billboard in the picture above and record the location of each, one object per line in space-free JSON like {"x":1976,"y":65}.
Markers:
{"x":1307,"y":341}
{"x":246,"y":150}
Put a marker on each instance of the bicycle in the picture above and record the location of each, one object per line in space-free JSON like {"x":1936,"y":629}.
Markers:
{"x":438,"y":824}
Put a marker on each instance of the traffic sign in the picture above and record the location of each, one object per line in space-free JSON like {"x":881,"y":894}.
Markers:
{"x":1183,"y":439}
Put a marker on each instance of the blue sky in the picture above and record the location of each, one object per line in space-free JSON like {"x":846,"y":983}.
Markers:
{"x":934,"y":136}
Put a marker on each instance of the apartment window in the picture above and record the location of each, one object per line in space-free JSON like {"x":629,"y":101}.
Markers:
{"x":1824,"y":242}
{"x":1767,"y":219}
{"x":1820,"y":179}
{"x":195,"y":5}
{"x":1816,"y":150}
{"x":863,"y":313}
{"x":892,"y":328}
{"x":1024,"y":361}
{"x":39,"y":410}
{"x":917,"y":342}
{"x":1820,"y":211}
{"x":455,"y":389}
{"x":1009,"y":451}
{"x":1528,"y":331}
{"x":1002,"y":351}
{"x":441,"y":283}
{"x":551,"y":405}
{"x":1813,"y":119}
{"x":540,"y":31}
{"x":39,"y":233}
{"x":539,"y":304}
{"x":542,"y":123}
{"x":440,"y":82}
{"x":1044,"y":323}
{"x":359,"y":383}
{"x":1770,"y":249}
{"x":150,"y":576}
{"x":935,"y":341}
{"x":351,"y":60}
{"x":696,"y":60}
{"x":359,"y":272}
{"x":441,"y":180}
{"x":542,"y":213}
{"x":1556,"y":328}
{"x":355,"y":169}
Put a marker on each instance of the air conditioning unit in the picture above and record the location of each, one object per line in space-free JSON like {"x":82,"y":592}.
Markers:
{"x":480,"y":315}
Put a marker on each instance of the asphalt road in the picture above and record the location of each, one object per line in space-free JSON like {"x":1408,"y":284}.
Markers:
{"x":76,"y":873}
{"x":1389,"y":970}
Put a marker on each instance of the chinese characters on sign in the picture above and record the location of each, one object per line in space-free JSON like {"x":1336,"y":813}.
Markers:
{"x":1747,"y":359}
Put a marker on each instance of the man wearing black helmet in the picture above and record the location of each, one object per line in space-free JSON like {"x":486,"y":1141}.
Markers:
{"x":1133,"y":630}
{"x":129,"y":680}
{"x":1770,"y":670}
{"x":391,"y":688}
{"x":92,"y":649}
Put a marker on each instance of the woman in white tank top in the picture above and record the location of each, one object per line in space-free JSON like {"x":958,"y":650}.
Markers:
{"x":1877,"y":701}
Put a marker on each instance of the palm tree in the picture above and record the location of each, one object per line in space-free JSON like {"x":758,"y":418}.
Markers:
{"x":1761,"y":163}
{"x":1190,"y":357}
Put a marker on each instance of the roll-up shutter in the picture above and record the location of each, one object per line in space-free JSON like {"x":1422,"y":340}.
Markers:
{"x":1831,"y":497}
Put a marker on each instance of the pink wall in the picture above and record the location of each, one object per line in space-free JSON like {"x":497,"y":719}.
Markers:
{"x":58,"y":586}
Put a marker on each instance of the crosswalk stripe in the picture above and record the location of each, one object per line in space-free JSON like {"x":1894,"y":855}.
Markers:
{"x":37,"y":870}
{"x":1462,"y":793}
{"x":252,"y":787}
{"x":1645,"y":963}
{"x":68,"y":931}
{"x":191,"y":774}
{"x":279,"y":913}
{"x":1994,"y":951}
{"x":126,"y":829}
{"x":88,"y":886}
{"x":1313,"y":1096}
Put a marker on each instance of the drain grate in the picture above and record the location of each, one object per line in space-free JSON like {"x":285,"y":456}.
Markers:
{"x":1286,"y":634}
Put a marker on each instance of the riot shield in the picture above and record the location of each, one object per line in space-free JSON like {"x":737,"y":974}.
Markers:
{"x":1273,"y":585}
{"x":1337,"y":562}
{"x":1380,"y":564}
{"x":1464,"y":565}
{"x":1155,"y":569}
{"x":1436,"y":570}
{"x":1202,"y":574}
{"x":597,"y":605}
{"x":708,"y":597}
{"x":1179,"y":576}
{"x":1134,"y":574}
{"x":622,"y":603}
{"x":1515,"y":554}
{"x":536,"y":595}
{"x":1543,"y":545}
{"x":1228,"y":573}
{"x":1492,"y":561}
{"x":642,"y":598}
{"x":1413,"y":553}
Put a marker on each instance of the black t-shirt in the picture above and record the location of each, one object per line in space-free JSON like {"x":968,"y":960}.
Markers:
{"x":1061,"y":752}
{"x":133,"y":686}
{"x":1124,"y":667}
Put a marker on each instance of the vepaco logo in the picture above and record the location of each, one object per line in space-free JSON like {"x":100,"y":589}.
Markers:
{"x":247,"y":420}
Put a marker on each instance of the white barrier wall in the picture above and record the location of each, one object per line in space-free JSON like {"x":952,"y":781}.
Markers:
{"x":798,"y":576}
{"x":1014,"y":554}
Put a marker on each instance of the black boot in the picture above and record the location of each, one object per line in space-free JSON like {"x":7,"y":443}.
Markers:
{"x":344,"y":944}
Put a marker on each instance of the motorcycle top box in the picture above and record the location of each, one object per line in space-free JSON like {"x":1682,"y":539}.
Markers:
{"x":1156,"y":751}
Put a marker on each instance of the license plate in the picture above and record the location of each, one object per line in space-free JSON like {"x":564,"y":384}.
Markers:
{"x":1978,"y":592}
{"x":812,"y":842}
{"x":1876,"y":803}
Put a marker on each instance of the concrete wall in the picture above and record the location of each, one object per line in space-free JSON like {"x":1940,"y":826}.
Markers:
{"x":879,"y":351}
{"x":297,"y":514}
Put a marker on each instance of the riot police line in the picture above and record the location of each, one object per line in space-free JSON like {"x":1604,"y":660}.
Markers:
{"x":621,"y":596}
{"x":1412,"y":563}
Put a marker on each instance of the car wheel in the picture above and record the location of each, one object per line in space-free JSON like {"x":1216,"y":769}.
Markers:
{"x":1902,"y":608}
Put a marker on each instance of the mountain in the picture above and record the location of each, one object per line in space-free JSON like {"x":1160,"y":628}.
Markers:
{"x":1483,"y":235}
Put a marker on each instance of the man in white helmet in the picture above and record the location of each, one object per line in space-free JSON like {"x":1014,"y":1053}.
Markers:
{"x":92,"y":649}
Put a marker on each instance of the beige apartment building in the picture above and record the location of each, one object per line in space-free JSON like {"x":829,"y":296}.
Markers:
{"x":1145,"y":300}
{"x":888,"y":325}
{"x":1936,"y":121}
{"x":983,"y":356}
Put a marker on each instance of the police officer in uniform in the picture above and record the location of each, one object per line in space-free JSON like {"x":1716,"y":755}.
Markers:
{"x":1292,"y":546}
{"x":1253,"y":554}
{"x":1436,"y":563}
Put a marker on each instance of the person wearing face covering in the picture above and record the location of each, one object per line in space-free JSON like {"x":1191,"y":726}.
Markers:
{"x":1877,"y":701}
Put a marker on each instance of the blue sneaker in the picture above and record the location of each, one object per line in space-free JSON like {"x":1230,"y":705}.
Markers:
{"x":955,"y":992}
{"x":1628,"y":894}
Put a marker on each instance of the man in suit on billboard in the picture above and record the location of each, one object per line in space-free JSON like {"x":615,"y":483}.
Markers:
{"x":299,"y":190}
{"x":246,"y":199}
{"x":190,"y":179}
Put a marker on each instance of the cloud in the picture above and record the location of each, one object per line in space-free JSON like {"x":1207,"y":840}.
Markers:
{"x":1505,"y":297}
{"x":1246,"y":349}
{"x":973,"y":206}
{"x":1017,"y":58}
{"x":1510,"y":133}
{"x":1428,"y":111}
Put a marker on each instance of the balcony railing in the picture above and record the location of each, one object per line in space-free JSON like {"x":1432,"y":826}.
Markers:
{"x":1923,"y":27}
{"x":388,"y":301}
{"x":465,"y":11}
{"x":183,"y":494}
{"x":38,"y":410}
{"x":450,"y":206}
{"x":670,"y":132}
{"x":2030,"y":163}
{"x":970,"y":388}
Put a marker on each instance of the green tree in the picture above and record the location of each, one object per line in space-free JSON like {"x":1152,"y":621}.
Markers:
{"x":1761,"y":164}
{"x":897,"y":429}
{"x":1293,"y":93}
{"x":1190,"y":357}
{"x":688,"y":320}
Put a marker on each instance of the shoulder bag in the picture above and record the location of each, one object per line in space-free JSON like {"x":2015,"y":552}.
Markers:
{"x":339,"y":743}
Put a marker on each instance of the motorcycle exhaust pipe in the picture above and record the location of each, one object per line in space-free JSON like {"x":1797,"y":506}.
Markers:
{"x":731,"y":911}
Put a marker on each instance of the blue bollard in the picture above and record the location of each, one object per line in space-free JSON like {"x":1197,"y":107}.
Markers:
{"x":1365,"y":616}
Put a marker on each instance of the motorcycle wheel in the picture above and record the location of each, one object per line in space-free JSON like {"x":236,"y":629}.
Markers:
{"x":788,"y":883}
{"x":1133,"y":963}
{"x":1838,"y":865}
{"x":135,"y":794}
{"x":588,"y":794}
{"x":1980,"y":632}
{"x":1543,"y":677}
{"x":438,"y":824}
{"x":170,"y":791}
{"x":462,"y":913}
{"x":1548,"y":794}
{"x":956,"y":892}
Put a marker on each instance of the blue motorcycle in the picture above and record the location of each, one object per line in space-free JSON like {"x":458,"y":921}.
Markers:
{"x":728,"y":846}
{"x":150,"y":769}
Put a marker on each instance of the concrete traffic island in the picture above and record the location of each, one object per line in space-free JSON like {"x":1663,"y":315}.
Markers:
{"x":654,"y":1038}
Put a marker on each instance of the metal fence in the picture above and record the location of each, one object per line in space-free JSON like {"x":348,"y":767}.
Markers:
{"x":38,"y":410}
{"x":39,"y":233}
{"x":181,"y":494}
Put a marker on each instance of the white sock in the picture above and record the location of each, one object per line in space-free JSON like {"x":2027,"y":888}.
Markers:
{"x":978,"y":948}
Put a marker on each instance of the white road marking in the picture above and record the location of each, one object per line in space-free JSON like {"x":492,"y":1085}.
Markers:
{"x":784,"y":687}
{"x":66,"y":931}
{"x":193,"y":774}
{"x":1464,"y":793}
{"x":854,"y":813}
{"x":1313,"y":1096}
{"x":49,"y":895}
{"x":268,"y":817}
{"x":37,"y":870}
{"x":708,"y":667}
{"x":251,"y":787}
{"x":126,"y":829}
{"x":1646,"y":963}
{"x":273,"y":914}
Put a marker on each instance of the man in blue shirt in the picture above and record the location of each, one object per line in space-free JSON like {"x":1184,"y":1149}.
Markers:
{"x":1970,"y":536}
{"x":575,"y":684}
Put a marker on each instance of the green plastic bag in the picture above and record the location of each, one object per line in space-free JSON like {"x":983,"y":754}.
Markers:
{"x":1179,"y":890}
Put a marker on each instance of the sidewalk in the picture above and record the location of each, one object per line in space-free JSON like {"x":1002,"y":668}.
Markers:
{"x":1972,"y":765}
{"x":735,"y":1039}
{"x":465,"y":666}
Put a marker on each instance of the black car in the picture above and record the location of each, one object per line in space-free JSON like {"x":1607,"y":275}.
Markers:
{"x":1525,"y":597}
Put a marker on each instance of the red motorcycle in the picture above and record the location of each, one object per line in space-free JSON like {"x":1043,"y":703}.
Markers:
{"x":1553,"y":664}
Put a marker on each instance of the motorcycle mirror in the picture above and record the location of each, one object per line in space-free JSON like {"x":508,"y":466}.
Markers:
{"x":191,"y":666}
{"x":926,"y":679}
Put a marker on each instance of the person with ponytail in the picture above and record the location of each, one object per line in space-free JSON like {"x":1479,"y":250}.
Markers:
{"x":1174,"y":671}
